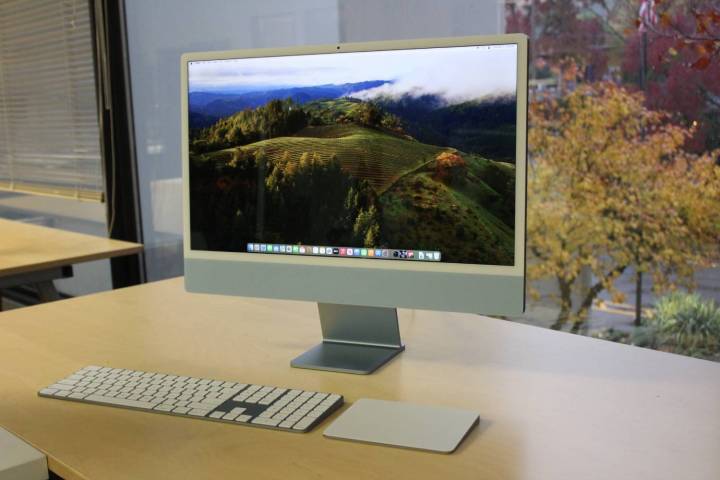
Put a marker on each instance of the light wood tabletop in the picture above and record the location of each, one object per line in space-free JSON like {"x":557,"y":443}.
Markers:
{"x":25,"y":247}
{"x":553,"y":405}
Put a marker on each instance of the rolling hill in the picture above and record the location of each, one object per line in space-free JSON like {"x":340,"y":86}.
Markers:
{"x":377,"y":157}
{"x":486,"y":127}
{"x":465,"y":217}
{"x":409,"y":196}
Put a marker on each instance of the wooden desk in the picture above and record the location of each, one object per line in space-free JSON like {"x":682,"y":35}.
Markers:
{"x":554,"y":406}
{"x":32,"y":254}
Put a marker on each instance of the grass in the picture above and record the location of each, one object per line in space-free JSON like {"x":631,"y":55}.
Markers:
{"x":366,"y":153}
{"x":421,"y":212}
{"x":331,"y":110}
{"x":418,"y":211}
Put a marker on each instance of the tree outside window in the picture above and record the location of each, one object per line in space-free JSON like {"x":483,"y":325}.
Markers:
{"x":624,"y":169}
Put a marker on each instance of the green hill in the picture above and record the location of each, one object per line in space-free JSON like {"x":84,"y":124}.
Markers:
{"x":366,"y":153}
{"x":469,"y":218}
{"x":362,"y":180}
{"x":331,"y":111}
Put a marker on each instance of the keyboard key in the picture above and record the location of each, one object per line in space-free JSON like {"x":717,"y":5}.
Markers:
{"x":303,"y":424}
{"x":60,"y":386}
{"x":274,"y":407}
{"x":330,"y":400}
{"x":266,"y":421}
{"x":125,"y":402}
{"x":204,"y":405}
{"x":199,"y":413}
{"x":316,"y":412}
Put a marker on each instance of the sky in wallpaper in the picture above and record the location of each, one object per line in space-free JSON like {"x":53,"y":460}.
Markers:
{"x":454,"y":73}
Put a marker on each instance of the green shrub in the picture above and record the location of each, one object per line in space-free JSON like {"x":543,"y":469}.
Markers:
{"x":645,"y":336}
{"x":686,"y":324}
{"x":613,"y":335}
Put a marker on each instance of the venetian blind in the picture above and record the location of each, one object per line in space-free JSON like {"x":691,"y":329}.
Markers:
{"x":49,"y":135}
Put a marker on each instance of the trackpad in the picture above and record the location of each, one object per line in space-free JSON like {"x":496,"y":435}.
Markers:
{"x":400,"y":424}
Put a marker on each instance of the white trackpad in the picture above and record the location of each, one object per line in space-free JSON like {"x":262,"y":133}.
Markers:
{"x":400,"y":424}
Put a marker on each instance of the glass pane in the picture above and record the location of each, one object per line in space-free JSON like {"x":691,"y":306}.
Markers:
{"x":624,"y":181}
{"x":65,"y":214}
{"x":158,"y":33}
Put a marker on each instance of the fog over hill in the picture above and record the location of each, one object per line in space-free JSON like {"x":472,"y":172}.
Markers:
{"x":403,"y":90}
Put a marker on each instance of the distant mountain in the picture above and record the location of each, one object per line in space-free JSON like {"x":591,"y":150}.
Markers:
{"x":200,"y":99}
{"x":200,"y":120}
{"x":486,"y":127}
{"x":204,"y":105}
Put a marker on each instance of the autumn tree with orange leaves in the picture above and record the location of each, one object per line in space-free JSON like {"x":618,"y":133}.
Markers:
{"x":611,"y":188}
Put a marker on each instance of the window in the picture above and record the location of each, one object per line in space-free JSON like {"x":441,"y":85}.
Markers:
{"x":49,"y":135}
{"x":624,"y":170}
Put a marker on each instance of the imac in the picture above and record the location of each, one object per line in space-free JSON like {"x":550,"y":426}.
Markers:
{"x":361,"y":176}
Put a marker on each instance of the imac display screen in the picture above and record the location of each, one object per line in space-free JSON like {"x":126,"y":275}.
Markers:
{"x":391,"y":155}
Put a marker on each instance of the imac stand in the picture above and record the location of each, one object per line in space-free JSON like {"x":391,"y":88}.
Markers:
{"x":355,"y":339}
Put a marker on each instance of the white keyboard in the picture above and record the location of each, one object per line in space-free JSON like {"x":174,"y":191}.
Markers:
{"x":230,"y":402}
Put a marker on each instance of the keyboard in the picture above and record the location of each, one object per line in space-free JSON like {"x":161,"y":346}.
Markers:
{"x":278,"y":408}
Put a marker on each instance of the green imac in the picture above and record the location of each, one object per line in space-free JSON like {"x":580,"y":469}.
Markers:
{"x":361,"y":176}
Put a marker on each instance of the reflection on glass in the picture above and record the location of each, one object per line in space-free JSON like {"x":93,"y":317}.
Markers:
{"x":624,"y":182}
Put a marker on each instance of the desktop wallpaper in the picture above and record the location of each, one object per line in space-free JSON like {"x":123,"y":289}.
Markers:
{"x":401,"y":149}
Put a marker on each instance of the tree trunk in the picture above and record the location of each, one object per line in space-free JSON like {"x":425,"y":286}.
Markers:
{"x":565,"y":304}
{"x":584,"y":310}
